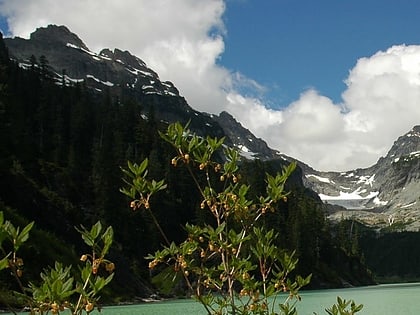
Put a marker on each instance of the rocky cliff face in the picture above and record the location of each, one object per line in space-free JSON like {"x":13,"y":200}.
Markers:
{"x":385,"y":194}
{"x":68,"y":56}
{"x":70,"y":61}
{"x":250,"y":146}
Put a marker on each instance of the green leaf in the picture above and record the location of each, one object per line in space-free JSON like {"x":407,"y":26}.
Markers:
{"x":109,"y":278}
{"x":358,"y":308}
{"x":95,"y":230}
{"x":128,"y":192}
{"x":67,"y":288}
{"x":99,"y":284}
{"x":155,"y":186}
{"x":86,"y":236}
{"x":4,"y":262}
{"x":107,"y":238}
{"x":11,"y":231}
{"x":142,"y":167}
{"x":167,"y":280}
{"x":220,"y":228}
{"x":24,"y":235}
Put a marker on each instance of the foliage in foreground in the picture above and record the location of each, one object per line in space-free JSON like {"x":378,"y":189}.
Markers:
{"x":59,"y":287}
{"x":232,"y":264}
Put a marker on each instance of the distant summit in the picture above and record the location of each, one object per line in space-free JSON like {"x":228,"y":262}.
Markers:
{"x":386,"y":194}
{"x":56,"y":36}
{"x":406,"y":146}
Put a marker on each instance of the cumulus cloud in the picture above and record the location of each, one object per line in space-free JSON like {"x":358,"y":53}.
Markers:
{"x":183,"y":40}
{"x":380,"y":103}
{"x":382,"y":97}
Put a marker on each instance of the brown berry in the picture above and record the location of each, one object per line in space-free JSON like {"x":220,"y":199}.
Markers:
{"x":89,"y":307}
{"x":110,"y":267}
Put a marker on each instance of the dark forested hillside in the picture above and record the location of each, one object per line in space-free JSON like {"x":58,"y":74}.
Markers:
{"x":394,"y":257}
{"x":62,"y":147}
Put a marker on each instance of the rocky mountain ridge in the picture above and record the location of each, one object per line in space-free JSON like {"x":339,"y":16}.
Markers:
{"x":70,"y":61}
{"x":383,"y":195}
{"x":386,"y":194}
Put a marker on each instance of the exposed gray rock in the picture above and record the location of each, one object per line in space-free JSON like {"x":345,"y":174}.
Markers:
{"x":244,"y":140}
{"x":123,"y":75}
{"x":66,"y":53}
{"x":385,"y":194}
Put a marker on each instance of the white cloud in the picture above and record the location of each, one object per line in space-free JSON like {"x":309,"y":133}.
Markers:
{"x":183,"y":40}
{"x":380,"y":104}
{"x":382,"y":96}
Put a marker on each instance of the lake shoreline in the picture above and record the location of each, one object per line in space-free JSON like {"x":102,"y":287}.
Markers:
{"x":381,"y":299}
{"x":154,"y":298}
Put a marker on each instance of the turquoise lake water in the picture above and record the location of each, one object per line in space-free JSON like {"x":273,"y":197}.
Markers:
{"x":395,"y":299}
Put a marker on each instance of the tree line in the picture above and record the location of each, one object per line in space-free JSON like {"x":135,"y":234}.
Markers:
{"x":62,"y":149}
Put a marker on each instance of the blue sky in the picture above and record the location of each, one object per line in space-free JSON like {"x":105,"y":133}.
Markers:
{"x":292,"y":45}
{"x":3,"y":26}
{"x":332,"y":83}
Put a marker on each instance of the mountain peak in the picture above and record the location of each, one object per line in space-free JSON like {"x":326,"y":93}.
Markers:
{"x":126,"y":58}
{"x":384,"y":194}
{"x":416,"y":131}
{"x":66,"y":53}
{"x":249,"y":145}
{"x":53,"y":34}
{"x":406,"y":145}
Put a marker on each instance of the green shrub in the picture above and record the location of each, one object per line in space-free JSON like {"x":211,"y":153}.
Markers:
{"x":232,"y":264}
{"x":59,"y":288}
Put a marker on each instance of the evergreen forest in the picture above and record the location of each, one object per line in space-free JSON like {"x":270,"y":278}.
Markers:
{"x":61,"y":153}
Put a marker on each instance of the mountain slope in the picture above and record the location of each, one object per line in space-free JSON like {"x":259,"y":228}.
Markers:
{"x":65,"y":51}
{"x":69,"y":135}
{"x":70,"y":61}
{"x":385,"y":194}
{"x":381,"y":195}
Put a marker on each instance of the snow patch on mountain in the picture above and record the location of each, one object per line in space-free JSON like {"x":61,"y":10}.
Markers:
{"x":321,"y":179}
{"x":107,"y":83}
{"x":357,"y":194}
{"x":245,"y":152}
{"x":84,"y":50}
{"x":385,"y":194}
